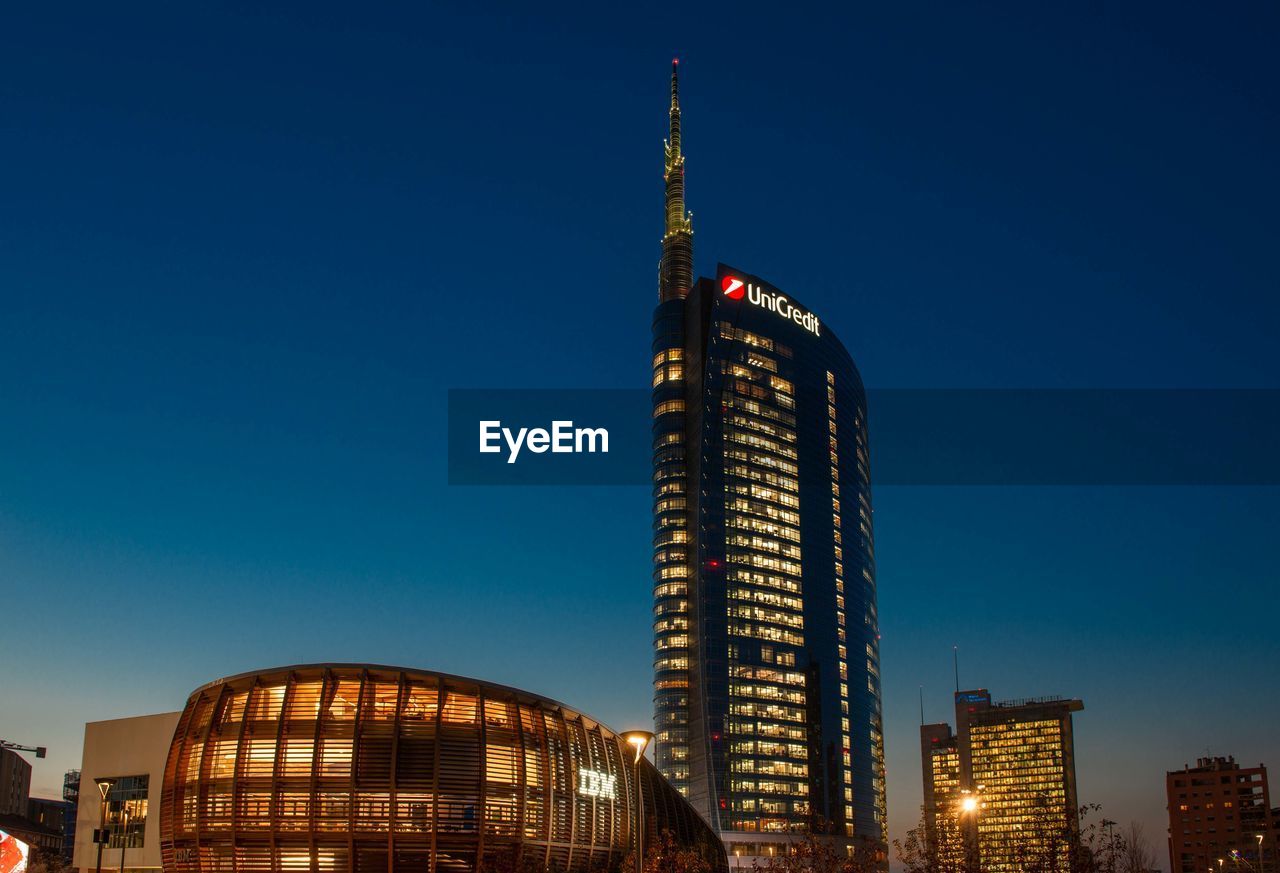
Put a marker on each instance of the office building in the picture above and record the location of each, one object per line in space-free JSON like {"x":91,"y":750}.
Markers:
{"x":940,"y":757}
{"x":1006,"y":779}
{"x":41,"y":843}
{"x":356,"y":768}
{"x":340,"y":767}
{"x":71,"y":795}
{"x":47,"y":813}
{"x":1220,"y":818}
{"x":767,"y":660}
{"x":15,"y":783}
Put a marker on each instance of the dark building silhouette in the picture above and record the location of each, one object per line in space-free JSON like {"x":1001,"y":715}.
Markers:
{"x":71,"y":795}
{"x":15,"y":783}
{"x":766,"y":671}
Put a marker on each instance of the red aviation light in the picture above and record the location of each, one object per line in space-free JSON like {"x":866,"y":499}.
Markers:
{"x":733,"y":287}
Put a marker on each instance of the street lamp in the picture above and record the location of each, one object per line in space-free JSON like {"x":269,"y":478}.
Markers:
{"x":1261,"y":869}
{"x":124,"y":831}
{"x":970,"y":804}
{"x":100,"y":835}
{"x":639,"y":740}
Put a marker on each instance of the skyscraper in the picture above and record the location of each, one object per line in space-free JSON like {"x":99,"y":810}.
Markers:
{"x":766,"y":669}
{"x":1013,"y":794}
{"x":940,"y":767}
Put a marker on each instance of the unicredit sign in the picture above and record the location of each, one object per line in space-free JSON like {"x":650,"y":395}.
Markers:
{"x":735,"y":289}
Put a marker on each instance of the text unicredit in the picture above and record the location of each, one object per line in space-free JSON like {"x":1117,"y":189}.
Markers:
{"x":780,"y":304}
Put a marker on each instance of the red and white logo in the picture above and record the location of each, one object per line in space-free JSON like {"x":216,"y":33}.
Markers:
{"x":736,"y":289}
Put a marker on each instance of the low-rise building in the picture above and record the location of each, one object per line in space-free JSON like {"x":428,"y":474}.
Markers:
{"x":127,"y":755}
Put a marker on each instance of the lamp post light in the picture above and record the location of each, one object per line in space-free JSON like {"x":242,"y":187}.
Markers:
{"x":970,"y":805}
{"x":100,"y":835}
{"x":639,"y":740}
{"x":1239,"y":858}
{"x":1261,"y":869}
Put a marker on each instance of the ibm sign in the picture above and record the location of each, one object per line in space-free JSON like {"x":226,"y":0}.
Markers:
{"x":593,"y":783}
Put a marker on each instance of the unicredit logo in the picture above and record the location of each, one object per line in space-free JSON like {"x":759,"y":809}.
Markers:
{"x":735,"y":289}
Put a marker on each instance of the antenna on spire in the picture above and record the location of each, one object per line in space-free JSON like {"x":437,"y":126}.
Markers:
{"x":675,"y":270}
{"x":921,"y":706}
{"x":955,"y":658}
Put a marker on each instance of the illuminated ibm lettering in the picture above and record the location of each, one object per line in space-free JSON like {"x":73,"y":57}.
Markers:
{"x":593,"y":783}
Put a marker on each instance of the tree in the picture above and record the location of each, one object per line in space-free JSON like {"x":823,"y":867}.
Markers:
{"x":1081,"y":845}
{"x":665,"y":855}
{"x":941,"y":848}
{"x":47,"y":861}
{"x":1136,"y":854}
{"x":814,"y":852}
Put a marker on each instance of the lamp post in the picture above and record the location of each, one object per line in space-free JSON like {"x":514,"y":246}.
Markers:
{"x":1261,"y":869}
{"x":100,"y":835}
{"x":124,"y":831}
{"x":639,"y":740}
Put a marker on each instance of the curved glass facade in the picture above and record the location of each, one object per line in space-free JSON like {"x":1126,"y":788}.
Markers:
{"x":362,"y":768}
{"x":767,"y":673}
{"x":670,"y":547}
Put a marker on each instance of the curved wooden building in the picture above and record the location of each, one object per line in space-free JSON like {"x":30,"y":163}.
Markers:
{"x":331,"y":768}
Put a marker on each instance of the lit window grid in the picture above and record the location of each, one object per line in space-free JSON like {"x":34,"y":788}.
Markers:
{"x":764,"y":533}
{"x":1021,"y":768}
{"x":369,"y":769}
{"x":845,"y":736}
{"x":944,"y":830}
{"x":671,"y":571}
{"x":127,"y":804}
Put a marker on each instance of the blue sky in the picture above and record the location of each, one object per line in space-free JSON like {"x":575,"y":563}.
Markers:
{"x":245,"y":253}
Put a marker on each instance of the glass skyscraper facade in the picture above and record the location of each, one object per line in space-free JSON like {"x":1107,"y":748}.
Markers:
{"x":766,"y":671}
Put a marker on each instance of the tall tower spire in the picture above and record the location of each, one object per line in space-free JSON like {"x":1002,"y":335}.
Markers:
{"x":675,"y":271}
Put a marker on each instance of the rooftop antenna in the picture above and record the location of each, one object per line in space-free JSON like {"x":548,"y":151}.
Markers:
{"x":955,"y":660}
{"x":921,"y":706}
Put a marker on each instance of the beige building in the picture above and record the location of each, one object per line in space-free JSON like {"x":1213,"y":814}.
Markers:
{"x":130,"y":752}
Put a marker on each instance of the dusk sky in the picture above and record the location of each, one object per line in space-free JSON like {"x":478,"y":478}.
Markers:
{"x":244,"y":254}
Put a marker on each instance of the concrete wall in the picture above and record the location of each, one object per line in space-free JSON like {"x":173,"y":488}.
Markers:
{"x":122,"y":747}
